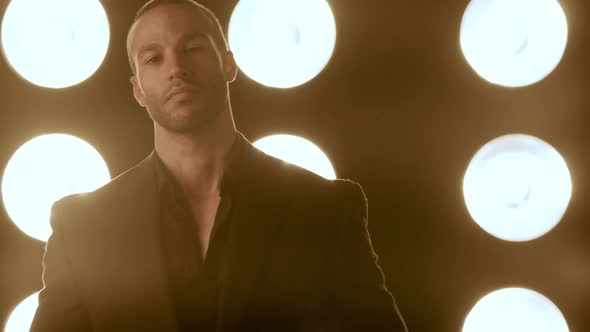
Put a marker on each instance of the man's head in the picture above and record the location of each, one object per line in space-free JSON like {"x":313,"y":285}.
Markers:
{"x":181,"y":64}
{"x":216,"y":29}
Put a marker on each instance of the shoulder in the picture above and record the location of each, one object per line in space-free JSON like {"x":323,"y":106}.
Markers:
{"x":258,"y":172}
{"x":307,"y":188}
{"x":119,"y":190}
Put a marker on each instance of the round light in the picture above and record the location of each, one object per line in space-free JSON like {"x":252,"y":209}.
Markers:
{"x":515,"y":310}
{"x":282,"y":43}
{"x":22,"y":316}
{"x":517,"y":187}
{"x":44,"y":170}
{"x":513,"y":43}
{"x":297,"y":151}
{"x":55,"y":44}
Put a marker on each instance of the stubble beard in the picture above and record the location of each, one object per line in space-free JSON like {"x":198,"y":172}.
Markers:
{"x":192,"y":121}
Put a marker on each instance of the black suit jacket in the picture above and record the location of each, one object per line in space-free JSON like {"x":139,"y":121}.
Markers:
{"x":300,"y":257}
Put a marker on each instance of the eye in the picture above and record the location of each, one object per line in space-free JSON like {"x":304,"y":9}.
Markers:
{"x":153,"y":59}
{"x":194,"y":47}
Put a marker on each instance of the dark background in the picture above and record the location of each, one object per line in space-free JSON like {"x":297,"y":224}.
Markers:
{"x":397,"y":109}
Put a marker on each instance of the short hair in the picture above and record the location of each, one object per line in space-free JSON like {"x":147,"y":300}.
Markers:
{"x":216,"y":29}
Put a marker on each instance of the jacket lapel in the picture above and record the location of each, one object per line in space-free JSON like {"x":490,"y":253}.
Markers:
{"x":143,"y":281}
{"x":257,"y":214}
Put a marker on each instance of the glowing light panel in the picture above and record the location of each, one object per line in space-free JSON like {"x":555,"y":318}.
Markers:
{"x":297,"y":151}
{"x":515,"y":310}
{"x":44,"y":170}
{"x":282,"y":43}
{"x":55,"y":44}
{"x":517,"y":187}
{"x":22,"y":316}
{"x":513,"y":43}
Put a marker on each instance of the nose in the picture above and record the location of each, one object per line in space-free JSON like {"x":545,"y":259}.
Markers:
{"x":177,"y":67}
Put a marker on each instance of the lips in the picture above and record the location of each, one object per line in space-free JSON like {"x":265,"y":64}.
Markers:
{"x":181,"y":90}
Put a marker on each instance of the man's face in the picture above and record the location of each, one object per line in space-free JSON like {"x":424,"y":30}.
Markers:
{"x":181,"y":75}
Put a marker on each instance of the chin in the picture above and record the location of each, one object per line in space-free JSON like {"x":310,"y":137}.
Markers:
{"x":194,"y":123}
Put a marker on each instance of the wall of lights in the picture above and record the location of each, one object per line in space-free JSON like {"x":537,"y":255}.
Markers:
{"x":516,"y":187}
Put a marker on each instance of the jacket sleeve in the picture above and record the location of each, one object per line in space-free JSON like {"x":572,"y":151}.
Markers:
{"x":60,"y":307}
{"x":360,"y":297}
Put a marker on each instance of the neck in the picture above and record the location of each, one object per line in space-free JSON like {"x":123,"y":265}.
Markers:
{"x":197,"y":161}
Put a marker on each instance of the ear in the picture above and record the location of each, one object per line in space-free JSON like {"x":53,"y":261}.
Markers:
{"x":137,"y":93}
{"x":230,"y":68}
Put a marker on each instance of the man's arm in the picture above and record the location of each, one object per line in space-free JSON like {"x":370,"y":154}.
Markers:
{"x":60,"y":308}
{"x":362,"y":300}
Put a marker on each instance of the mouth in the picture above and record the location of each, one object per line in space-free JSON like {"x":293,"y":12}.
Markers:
{"x":181,"y":92}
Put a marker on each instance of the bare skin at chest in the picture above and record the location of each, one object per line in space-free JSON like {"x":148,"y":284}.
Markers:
{"x":203,"y":211}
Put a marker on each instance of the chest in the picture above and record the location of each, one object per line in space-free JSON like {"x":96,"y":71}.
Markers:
{"x":203,"y":210}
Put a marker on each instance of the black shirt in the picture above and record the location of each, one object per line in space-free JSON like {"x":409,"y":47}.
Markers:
{"x":194,"y":283}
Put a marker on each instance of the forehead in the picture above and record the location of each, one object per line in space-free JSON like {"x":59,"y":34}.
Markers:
{"x":166,"y":23}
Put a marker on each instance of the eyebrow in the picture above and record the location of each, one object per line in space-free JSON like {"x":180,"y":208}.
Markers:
{"x":186,"y":37}
{"x":148,"y":47}
{"x":194,"y":35}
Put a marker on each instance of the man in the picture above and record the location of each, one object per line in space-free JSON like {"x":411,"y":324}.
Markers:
{"x":208,"y":233}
